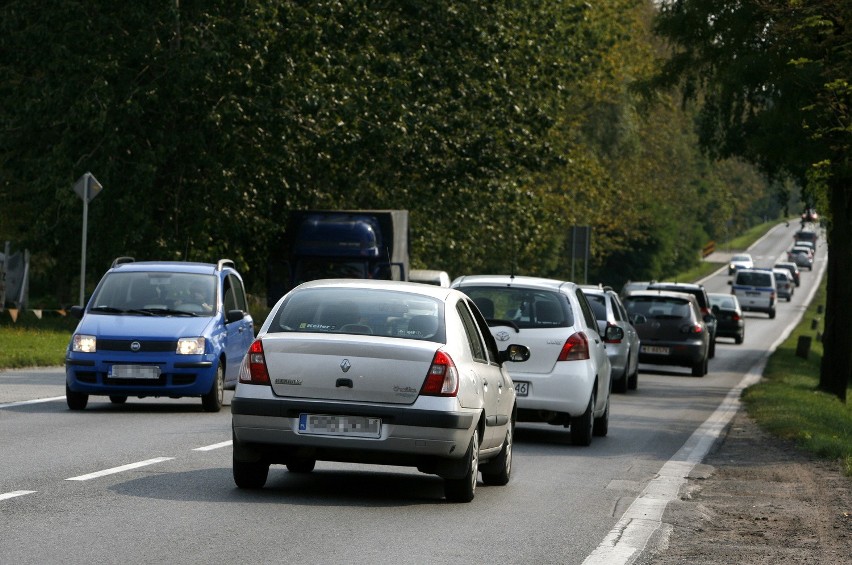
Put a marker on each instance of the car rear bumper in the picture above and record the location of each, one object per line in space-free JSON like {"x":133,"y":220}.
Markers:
{"x":567,"y":391}
{"x":409,"y":435}
{"x":683,"y":354}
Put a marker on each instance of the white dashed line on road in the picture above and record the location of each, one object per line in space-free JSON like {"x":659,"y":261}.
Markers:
{"x":214,"y":446}
{"x":36,"y":401}
{"x":14,"y":493}
{"x":114,"y":470}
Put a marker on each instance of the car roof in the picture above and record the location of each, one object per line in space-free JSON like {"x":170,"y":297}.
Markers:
{"x":167,"y":267}
{"x":431,"y":290}
{"x":512,"y":281}
{"x":663,"y":293}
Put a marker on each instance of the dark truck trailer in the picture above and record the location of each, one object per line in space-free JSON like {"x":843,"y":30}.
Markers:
{"x":323,"y":244}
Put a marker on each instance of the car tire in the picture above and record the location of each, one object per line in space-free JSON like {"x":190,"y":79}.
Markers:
{"x":739,"y":339}
{"x":700,"y":368}
{"x":301,"y":465}
{"x":212,"y":401}
{"x":633,"y":380}
{"x":581,"y":426}
{"x":463,"y":489}
{"x":620,"y":384}
{"x":116,"y":399}
{"x":250,"y":474}
{"x":76,"y":400}
{"x":498,"y":471}
{"x":772,"y":314}
{"x":712,"y":352}
{"x":601,"y":425}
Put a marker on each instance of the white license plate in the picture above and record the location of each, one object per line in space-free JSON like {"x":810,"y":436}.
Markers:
{"x":134,"y":372}
{"x":654,"y":349}
{"x":331,"y":425}
{"x":522,"y":388}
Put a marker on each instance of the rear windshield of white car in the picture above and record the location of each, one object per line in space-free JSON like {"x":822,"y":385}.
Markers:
{"x":658,"y":307}
{"x":752,"y":278}
{"x":362,"y":312}
{"x":527,"y":308}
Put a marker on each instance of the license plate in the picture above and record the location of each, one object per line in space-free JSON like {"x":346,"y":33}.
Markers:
{"x":332,"y":425}
{"x":654,"y":349}
{"x":522,"y":388}
{"x":752,"y":293}
{"x":134,"y":372}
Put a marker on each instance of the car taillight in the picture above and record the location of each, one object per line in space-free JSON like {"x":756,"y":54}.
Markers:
{"x":442,"y":379}
{"x":692,"y":328}
{"x":611,"y":340}
{"x":735,"y":317}
{"x":576,"y":348}
{"x":253,"y":368}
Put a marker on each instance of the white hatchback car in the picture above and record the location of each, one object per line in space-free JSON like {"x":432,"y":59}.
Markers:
{"x":566,"y":381}
{"x":380,"y":372}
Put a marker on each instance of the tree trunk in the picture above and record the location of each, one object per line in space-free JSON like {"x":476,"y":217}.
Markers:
{"x":836,"y":368}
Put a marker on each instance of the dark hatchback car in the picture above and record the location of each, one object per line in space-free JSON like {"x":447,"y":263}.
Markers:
{"x":671,"y":329}
{"x":729,"y":316}
{"x":700,"y":294}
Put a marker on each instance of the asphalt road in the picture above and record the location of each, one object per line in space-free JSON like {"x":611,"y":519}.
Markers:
{"x":150,"y":481}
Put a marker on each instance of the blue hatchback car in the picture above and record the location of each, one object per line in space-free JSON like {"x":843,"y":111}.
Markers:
{"x":160,"y":329}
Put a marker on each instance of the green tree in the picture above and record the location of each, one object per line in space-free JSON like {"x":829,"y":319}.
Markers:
{"x":772,"y":79}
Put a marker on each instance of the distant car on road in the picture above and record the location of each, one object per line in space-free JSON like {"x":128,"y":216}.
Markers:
{"x":379,"y":372}
{"x":801,"y":256}
{"x":794,"y":271}
{"x":756,"y":290}
{"x":740,"y":261}
{"x":623,"y":353}
{"x":700,"y":294}
{"x":729,"y":314}
{"x":784,"y":284}
{"x":671,"y":328}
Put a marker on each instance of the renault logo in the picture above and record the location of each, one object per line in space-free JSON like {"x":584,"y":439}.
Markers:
{"x":345,"y":365}
{"x":135,"y":346}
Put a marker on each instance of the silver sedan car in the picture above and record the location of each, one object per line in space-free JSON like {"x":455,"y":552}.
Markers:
{"x":379,"y":372}
{"x":623,"y":351}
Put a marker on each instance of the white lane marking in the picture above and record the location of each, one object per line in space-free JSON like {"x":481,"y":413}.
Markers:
{"x":14,"y":493}
{"x":36,"y":401}
{"x":214,"y":446}
{"x":114,"y":470}
{"x":630,"y":535}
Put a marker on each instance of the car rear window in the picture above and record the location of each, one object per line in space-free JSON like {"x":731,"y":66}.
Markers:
{"x":752,"y":278}
{"x":526,"y":307}
{"x":361,"y":311}
{"x":698,"y":292}
{"x":658,"y":307}
{"x":598,"y":304}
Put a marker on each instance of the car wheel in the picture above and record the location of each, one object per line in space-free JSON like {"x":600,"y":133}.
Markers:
{"x":115,"y":399}
{"x":700,"y":368}
{"x":76,"y":400}
{"x":772,"y":314}
{"x":740,"y":338}
{"x":250,"y":475}
{"x":498,"y":471}
{"x":601,"y":425}
{"x":712,"y":352}
{"x":581,"y":426}
{"x":301,"y":465}
{"x":633,"y":380}
{"x":620,"y":384}
{"x":789,"y":298}
{"x":212,"y":401}
{"x":462,"y":490}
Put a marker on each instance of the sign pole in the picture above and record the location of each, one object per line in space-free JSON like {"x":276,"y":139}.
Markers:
{"x":86,"y":187}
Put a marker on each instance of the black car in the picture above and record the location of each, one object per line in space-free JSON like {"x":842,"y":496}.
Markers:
{"x":729,"y":316}
{"x":671,"y":329}
{"x":700,"y":294}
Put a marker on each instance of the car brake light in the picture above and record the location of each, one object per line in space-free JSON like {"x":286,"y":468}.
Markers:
{"x":253,"y":369}
{"x":611,"y":340}
{"x":692,"y":328}
{"x":576,"y":348}
{"x":442,"y":379}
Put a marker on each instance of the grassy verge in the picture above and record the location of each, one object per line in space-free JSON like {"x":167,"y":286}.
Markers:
{"x":786,"y":401}
{"x":33,"y":342}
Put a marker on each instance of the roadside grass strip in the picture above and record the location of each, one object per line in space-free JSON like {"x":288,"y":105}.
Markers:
{"x":123,"y":468}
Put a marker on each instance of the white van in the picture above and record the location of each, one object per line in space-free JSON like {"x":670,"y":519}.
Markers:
{"x":756,"y":290}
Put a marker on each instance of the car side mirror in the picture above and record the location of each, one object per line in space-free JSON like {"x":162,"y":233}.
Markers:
{"x":76,"y":312}
{"x":614,"y":333}
{"x":515,"y":353}
{"x":234,"y":316}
